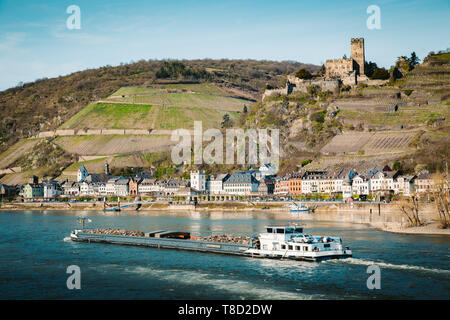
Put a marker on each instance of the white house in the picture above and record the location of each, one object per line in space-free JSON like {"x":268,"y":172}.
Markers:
{"x":110,"y":186}
{"x":121,"y":186}
{"x":361,"y":185}
{"x":198,"y":180}
{"x":404,"y":185}
{"x":383,"y":181}
{"x":51,"y":189}
{"x":241,"y":183}
{"x":148,"y":186}
{"x":215,"y":183}
{"x":84,"y":188}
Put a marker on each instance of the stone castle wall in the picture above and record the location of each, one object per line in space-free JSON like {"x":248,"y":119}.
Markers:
{"x":294,"y":84}
{"x":338,"y":68}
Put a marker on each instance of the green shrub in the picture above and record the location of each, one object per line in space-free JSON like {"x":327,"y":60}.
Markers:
{"x":313,"y":90}
{"x":380,"y":73}
{"x":408,"y":92}
{"x":303,"y":74}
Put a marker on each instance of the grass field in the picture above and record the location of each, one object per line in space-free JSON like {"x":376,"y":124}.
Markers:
{"x":139,"y":116}
{"x":114,"y":144}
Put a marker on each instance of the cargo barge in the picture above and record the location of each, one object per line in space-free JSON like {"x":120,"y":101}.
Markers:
{"x":278,"y":242}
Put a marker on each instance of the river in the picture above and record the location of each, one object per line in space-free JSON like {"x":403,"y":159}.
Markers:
{"x":34,"y":258}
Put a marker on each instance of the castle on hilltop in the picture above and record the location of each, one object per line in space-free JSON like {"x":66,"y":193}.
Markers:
{"x":338,"y":72}
{"x":353,"y":66}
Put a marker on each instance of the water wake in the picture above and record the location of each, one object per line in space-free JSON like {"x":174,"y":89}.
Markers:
{"x":238,"y":287}
{"x":390,"y":265}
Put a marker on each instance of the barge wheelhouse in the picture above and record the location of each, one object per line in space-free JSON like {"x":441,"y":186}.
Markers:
{"x":291,"y":243}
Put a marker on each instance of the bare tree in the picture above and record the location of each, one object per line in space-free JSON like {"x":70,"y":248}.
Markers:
{"x":410,"y":208}
{"x":441,"y":199}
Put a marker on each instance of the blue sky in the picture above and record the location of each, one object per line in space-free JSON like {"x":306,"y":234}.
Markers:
{"x":35,"y":42}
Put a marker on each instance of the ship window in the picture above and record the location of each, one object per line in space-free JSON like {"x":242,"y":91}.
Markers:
{"x":280,"y":230}
{"x":299,"y":230}
{"x":297,"y":248}
{"x":269,"y":230}
{"x":283,"y":246}
{"x":326,"y":245}
{"x":265,"y":247}
{"x":305,"y":248}
{"x":290,"y":248}
{"x":289,"y":230}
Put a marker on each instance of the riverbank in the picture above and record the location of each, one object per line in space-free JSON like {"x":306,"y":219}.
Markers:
{"x":383,"y":216}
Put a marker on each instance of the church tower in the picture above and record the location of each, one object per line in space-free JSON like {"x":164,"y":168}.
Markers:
{"x":106,"y":168}
{"x":357,"y":54}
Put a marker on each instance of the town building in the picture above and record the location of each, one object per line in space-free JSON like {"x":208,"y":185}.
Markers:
{"x":149,"y":187}
{"x":33,"y":190}
{"x":383,"y":181}
{"x":134,"y":186}
{"x":214,"y":185}
{"x":51,"y":188}
{"x":71,"y":189}
{"x":361,"y":185}
{"x":311,"y":182}
{"x":241,"y":183}
{"x":198,"y":180}
{"x":121,"y":187}
{"x":404,"y":185}
{"x":424,"y":182}
{"x":281,"y":186}
{"x":295,"y":184}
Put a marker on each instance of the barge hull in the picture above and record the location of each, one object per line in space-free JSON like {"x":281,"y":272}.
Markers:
{"x":190,"y":245}
{"x":165,"y":243}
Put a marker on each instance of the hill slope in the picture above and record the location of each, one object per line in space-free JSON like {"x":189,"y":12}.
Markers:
{"x":47,"y":103}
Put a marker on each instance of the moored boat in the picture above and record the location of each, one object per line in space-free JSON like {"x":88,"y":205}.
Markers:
{"x":298,"y":208}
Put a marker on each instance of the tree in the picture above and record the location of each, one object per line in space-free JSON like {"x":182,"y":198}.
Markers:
{"x":369,"y":68}
{"x":441,"y":199}
{"x":414,"y":60}
{"x":245,"y":109}
{"x":226,"y":122}
{"x":397,"y":166}
{"x":410,"y":208}
{"x":380,"y":73}
{"x":322,"y":70}
{"x":303,"y":74}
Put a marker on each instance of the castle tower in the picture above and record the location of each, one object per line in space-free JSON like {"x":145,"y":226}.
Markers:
{"x":357,"y":54}
{"x":106,"y":168}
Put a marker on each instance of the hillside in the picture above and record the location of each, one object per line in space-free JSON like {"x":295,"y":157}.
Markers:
{"x":48,"y":103}
{"x":160,"y":107}
{"x":129,"y":118}
{"x":405,"y":120}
